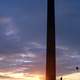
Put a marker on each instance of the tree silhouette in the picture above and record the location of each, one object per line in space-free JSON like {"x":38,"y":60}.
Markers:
{"x":77,"y":68}
{"x":61,"y":78}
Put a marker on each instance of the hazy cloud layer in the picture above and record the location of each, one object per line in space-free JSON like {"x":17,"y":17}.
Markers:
{"x":66,"y":60}
{"x":23,"y":25}
{"x":67,"y":21}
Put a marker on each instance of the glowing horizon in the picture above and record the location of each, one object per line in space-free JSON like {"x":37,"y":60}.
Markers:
{"x":21,"y":76}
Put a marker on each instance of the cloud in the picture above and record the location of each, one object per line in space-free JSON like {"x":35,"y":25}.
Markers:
{"x":75,"y":56}
{"x":22,"y":69}
{"x":2,"y":58}
{"x":18,"y":29}
{"x":62,"y":47}
{"x":28,"y":54}
{"x":9,"y":36}
{"x":22,"y":61}
{"x":36,"y":45}
{"x":66,"y":60}
{"x":4,"y":20}
{"x":11,"y":30}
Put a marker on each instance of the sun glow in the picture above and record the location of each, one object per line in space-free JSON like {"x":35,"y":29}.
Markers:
{"x":20,"y":76}
{"x":35,"y":77}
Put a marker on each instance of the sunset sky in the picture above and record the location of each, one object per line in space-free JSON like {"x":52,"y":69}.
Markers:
{"x":23,"y":26}
{"x":67,"y":21}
